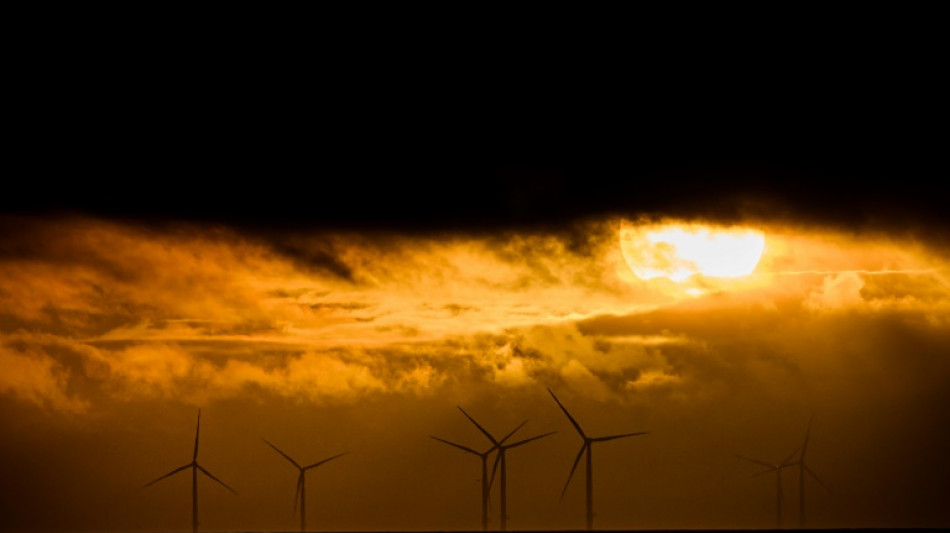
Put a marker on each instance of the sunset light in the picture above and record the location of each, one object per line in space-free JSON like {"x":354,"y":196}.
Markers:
{"x":678,"y":251}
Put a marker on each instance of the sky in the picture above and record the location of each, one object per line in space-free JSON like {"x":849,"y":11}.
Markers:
{"x":342,"y":275}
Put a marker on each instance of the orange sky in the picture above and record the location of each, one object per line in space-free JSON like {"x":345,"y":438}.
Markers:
{"x":112,"y":336}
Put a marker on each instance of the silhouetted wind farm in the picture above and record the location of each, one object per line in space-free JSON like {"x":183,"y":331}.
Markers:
{"x":195,"y":467}
{"x":300,"y":494}
{"x":586,"y":448}
{"x":500,"y":447}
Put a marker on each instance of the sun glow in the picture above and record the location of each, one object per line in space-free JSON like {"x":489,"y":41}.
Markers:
{"x":679,"y":251}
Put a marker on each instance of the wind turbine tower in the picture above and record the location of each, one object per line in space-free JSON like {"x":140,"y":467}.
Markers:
{"x":301,"y":492}
{"x":501,"y":457}
{"x":195,"y":467}
{"x":586,"y":448}
{"x":802,"y":469}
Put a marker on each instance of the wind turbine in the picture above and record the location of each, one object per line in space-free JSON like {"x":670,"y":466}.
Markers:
{"x":195,"y":467}
{"x":802,"y":469}
{"x":777,"y":468}
{"x":486,"y":486}
{"x":501,"y":457}
{"x":301,"y":492}
{"x":586,"y":448}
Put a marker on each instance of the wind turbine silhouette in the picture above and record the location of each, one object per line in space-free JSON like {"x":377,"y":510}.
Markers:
{"x":301,"y":492}
{"x":802,"y":469}
{"x":500,"y":457}
{"x":777,"y":468}
{"x":195,"y":467}
{"x":586,"y":447}
{"x":486,"y":485}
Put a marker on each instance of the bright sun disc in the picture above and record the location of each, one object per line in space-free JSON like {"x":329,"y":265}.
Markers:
{"x":680,"y":251}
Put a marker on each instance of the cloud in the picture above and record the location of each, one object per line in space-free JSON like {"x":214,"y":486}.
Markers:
{"x":513,"y":373}
{"x":153,"y":368}
{"x":34,"y":377}
{"x":653,"y":378}
{"x":837,"y":292}
{"x":580,"y":379}
{"x":198,"y":372}
{"x":126,"y":312}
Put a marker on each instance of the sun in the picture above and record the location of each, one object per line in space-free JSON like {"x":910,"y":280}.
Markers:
{"x":679,"y":251}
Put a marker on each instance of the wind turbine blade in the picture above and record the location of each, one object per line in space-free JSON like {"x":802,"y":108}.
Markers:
{"x":788,"y":460}
{"x":756,"y":461}
{"x":297,"y":493}
{"x":612,"y":437}
{"x":173,"y":472}
{"x":815,"y":477}
{"x":569,"y":417}
{"x":450,"y":443}
{"x":494,"y":469}
{"x":807,"y":435}
{"x":280,"y":452}
{"x":510,"y":433}
{"x":194,"y":457}
{"x":487,"y":434}
{"x":769,"y":471}
{"x":573,"y":468}
{"x":520,"y":442}
{"x":223,"y":484}
{"x":327,"y":460}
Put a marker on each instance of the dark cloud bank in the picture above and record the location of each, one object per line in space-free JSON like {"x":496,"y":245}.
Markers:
{"x":772,"y":127}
